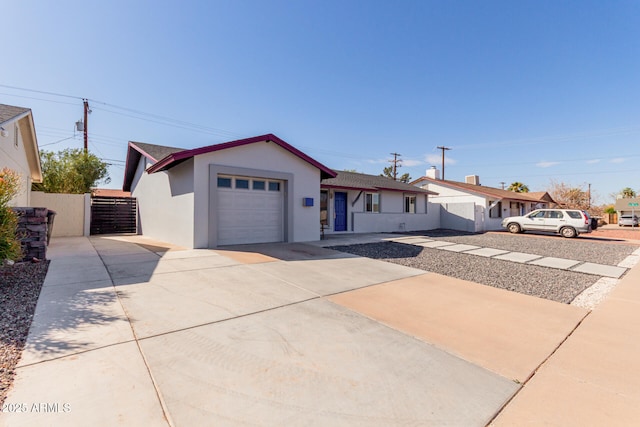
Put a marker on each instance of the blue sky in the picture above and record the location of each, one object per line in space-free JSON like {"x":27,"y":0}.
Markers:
{"x":529,"y":91}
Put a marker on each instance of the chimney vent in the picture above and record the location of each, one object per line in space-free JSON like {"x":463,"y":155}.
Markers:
{"x":433,"y":173}
{"x":472,"y":179}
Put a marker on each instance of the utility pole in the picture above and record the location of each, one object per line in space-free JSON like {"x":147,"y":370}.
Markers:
{"x":443,"y":148}
{"x":395,"y":162}
{"x":590,"y":197}
{"x":86,"y":116}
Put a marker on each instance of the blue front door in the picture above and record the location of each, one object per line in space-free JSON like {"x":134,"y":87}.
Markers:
{"x":340,"y":209}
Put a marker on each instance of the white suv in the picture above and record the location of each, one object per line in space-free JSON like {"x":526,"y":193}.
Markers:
{"x":567,"y":222}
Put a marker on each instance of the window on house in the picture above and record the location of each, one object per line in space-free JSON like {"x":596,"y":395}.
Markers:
{"x":496,"y":211}
{"x":372,"y":202}
{"x":224,"y":182}
{"x":274,"y":186}
{"x":258,"y":185}
{"x":324,"y":207}
{"x":410,"y":204}
{"x":242,"y":184}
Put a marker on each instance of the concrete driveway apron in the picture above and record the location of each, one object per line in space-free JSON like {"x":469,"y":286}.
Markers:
{"x":270,"y":335}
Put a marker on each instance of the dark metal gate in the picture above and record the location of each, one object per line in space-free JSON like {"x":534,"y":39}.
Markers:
{"x":112,"y":215}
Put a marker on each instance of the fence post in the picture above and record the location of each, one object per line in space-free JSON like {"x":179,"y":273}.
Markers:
{"x":87,"y":214}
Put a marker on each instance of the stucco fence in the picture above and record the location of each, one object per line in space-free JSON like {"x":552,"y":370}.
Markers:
{"x":73,"y":212}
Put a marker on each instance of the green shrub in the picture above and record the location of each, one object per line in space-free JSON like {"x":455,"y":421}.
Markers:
{"x":9,"y":242}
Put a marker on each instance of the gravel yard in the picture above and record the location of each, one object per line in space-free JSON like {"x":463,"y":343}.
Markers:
{"x":553,"y":284}
{"x":580,"y":249}
{"x":19,"y":290}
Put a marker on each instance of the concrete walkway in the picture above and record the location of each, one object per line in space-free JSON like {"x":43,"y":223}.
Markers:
{"x":133,"y":332}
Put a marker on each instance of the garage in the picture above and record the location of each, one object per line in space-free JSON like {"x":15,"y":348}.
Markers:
{"x":249,"y":210}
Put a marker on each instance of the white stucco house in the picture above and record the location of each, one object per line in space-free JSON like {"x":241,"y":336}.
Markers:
{"x":360,"y":203}
{"x":260,"y":190}
{"x":469,"y":206}
{"x":254,"y":190}
{"x":19,"y":149}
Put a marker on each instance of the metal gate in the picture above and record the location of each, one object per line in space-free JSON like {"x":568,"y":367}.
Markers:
{"x":113,"y":215}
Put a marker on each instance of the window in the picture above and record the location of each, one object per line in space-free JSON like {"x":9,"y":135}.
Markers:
{"x":574,"y":214}
{"x":537,"y":214}
{"x":224,"y":182}
{"x":410,"y":204}
{"x":324,"y":207}
{"x":242,"y":184}
{"x":274,"y":186}
{"x":496,"y":211}
{"x":258,"y":185}
{"x":372,"y":202}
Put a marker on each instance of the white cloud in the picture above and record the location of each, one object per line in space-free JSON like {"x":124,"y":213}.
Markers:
{"x":593,"y":161}
{"x":411,"y":162}
{"x":617,"y":160}
{"x":377,"y":161}
{"x":546,"y":164}
{"x":436,"y":159}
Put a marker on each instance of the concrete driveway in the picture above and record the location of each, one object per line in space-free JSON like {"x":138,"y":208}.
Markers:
{"x":133,"y":332}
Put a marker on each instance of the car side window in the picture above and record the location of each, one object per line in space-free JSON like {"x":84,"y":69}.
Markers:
{"x":574,"y":214}
{"x":537,"y":215}
{"x":555,"y":214}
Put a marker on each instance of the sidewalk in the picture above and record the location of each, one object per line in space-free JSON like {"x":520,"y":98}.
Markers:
{"x":132,"y":332}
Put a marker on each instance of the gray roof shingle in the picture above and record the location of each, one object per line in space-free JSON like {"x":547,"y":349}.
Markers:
{"x":8,"y":112}
{"x":362,"y":181}
{"x":158,"y":152}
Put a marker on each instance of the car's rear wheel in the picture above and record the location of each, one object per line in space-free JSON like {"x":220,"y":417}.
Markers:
{"x":568,"y":232}
{"x":514,"y":228}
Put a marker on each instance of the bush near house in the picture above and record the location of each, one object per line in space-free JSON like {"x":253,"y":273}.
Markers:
{"x":9,"y":242}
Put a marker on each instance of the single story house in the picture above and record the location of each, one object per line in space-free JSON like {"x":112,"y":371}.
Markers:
{"x":469,"y":206}
{"x":19,"y":149}
{"x":253,"y":190}
{"x":628,"y":206}
{"x":360,"y":203}
{"x":260,"y":190}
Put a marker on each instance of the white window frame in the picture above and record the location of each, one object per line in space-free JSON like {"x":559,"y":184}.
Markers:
{"x":408,"y":203}
{"x":370,"y":204}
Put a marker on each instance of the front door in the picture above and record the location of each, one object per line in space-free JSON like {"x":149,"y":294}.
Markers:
{"x":340,"y":211}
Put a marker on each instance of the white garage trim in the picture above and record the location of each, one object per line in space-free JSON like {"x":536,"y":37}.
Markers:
{"x":220,"y":196}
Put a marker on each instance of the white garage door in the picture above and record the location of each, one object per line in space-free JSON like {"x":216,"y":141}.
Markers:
{"x":250,"y":210}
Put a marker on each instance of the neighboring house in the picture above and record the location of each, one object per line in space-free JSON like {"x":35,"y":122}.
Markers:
{"x":469,"y":206}
{"x":628,"y":206}
{"x":19,"y":149}
{"x":355,"y":202}
{"x":253,"y":190}
{"x":109,"y":192}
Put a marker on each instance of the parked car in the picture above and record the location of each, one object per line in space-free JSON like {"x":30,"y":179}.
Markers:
{"x":631,"y":220}
{"x":567,"y":222}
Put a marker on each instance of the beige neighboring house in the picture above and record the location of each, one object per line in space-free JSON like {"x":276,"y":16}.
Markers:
{"x":469,"y":206}
{"x":628,"y":206}
{"x":19,"y":149}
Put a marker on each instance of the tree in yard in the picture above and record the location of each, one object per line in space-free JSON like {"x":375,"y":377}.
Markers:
{"x":71,"y":171}
{"x":388,"y":172}
{"x":9,"y":243}
{"x":628,"y":193}
{"x":518,"y":187}
{"x":568,"y":196}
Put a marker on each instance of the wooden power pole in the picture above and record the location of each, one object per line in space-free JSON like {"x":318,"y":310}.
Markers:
{"x":86,"y":134}
{"x":443,"y":148}
{"x":395,"y":162}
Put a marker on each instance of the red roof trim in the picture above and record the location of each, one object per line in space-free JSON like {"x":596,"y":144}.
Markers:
{"x":171,"y":159}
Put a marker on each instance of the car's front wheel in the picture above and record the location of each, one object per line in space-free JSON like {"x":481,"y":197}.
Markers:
{"x":514,"y":228}
{"x":568,"y":232}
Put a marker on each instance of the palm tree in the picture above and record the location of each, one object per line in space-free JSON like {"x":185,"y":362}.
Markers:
{"x":628,"y":193}
{"x":518,"y":187}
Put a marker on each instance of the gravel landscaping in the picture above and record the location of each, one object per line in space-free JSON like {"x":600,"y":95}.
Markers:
{"x":550,"y":283}
{"x":19,"y":290}
{"x":579,"y":249}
